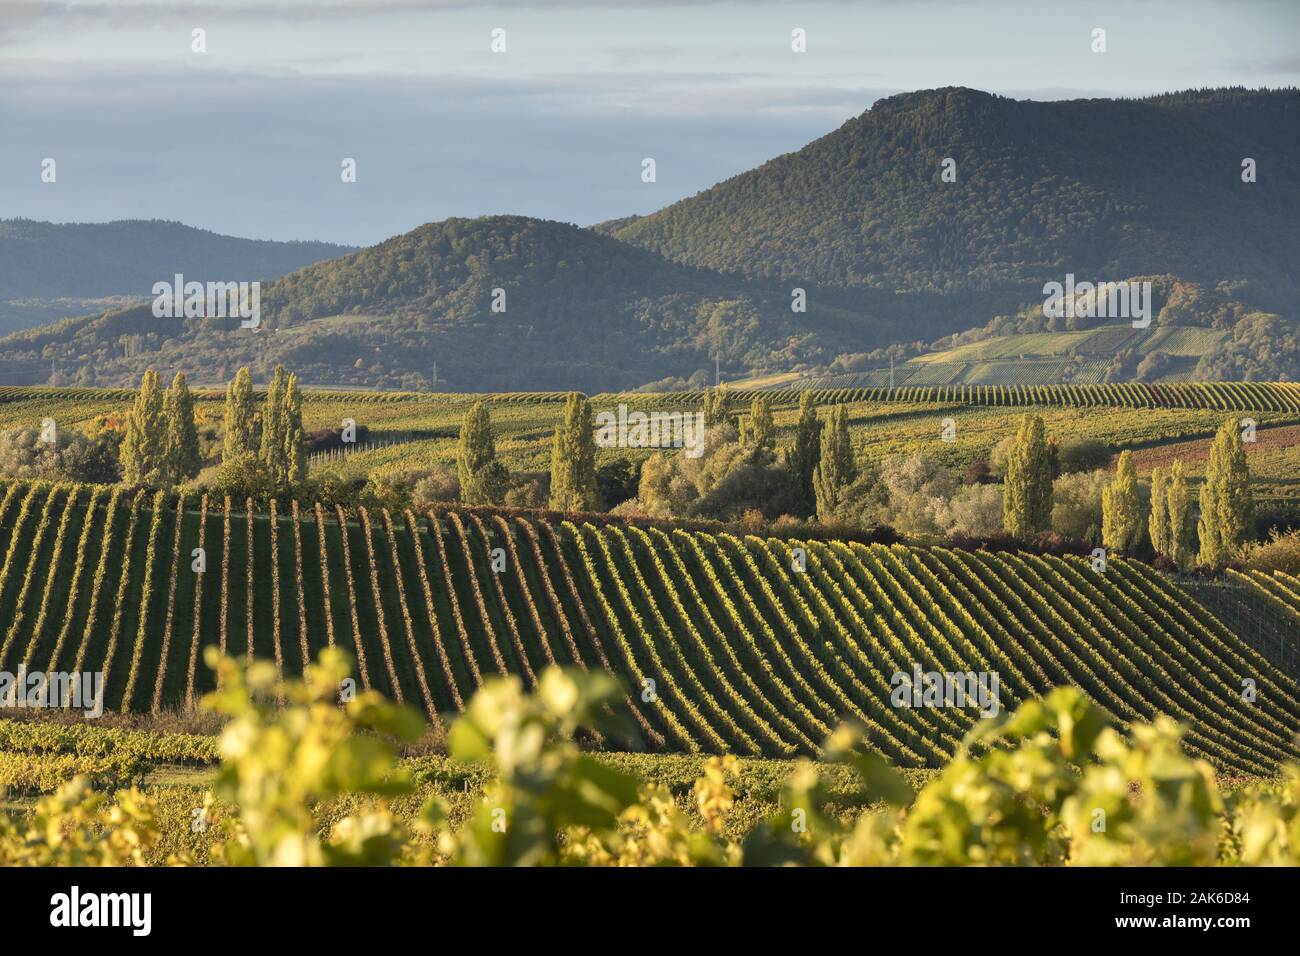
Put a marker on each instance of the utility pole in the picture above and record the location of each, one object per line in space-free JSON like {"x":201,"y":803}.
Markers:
{"x":717,"y":371}
{"x":891,"y":373}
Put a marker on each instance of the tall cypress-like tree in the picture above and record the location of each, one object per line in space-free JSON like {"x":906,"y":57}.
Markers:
{"x":1158,"y":523}
{"x":835,"y":467}
{"x":294,"y":453}
{"x":1180,"y":517}
{"x":183,"y":457}
{"x":1226,"y":506}
{"x":762,"y":427}
{"x":241,"y":424}
{"x":573,"y":458}
{"x":803,"y":455}
{"x":481,"y":475}
{"x":1121,"y":508}
{"x":716,"y":404}
{"x":274,"y":426}
{"x":144,"y":447}
{"x":1027,"y":490}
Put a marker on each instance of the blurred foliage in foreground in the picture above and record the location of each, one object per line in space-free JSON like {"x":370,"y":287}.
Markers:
{"x":1057,"y":786}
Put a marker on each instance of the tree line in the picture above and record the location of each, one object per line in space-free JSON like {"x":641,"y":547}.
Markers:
{"x":263,"y":449}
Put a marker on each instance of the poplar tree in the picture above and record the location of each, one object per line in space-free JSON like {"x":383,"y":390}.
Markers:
{"x":241,"y":426}
{"x":294,"y":452}
{"x":183,"y":458}
{"x":573,"y":458}
{"x":835,"y":469}
{"x":761,"y":426}
{"x":274,"y":427}
{"x":144,"y":447}
{"x":715,"y":406}
{"x":1027,"y":490}
{"x":803,"y":455}
{"x":1226,"y":507}
{"x":1180,"y":518}
{"x":482,"y":477}
{"x":1121,"y":508}
{"x":1158,"y":523}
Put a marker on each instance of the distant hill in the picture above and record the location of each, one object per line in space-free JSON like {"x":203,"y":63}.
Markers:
{"x":1197,"y":333}
{"x":50,"y":270}
{"x":860,"y":222}
{"x":578,"y":310}
{"x":1101,"y":188}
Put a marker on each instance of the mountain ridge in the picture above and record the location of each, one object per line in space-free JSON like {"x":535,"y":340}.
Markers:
{"x":859,"y":224}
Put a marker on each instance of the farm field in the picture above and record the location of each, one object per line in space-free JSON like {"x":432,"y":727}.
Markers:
{"x":722,"y":644}
{"x":177,"y":769}
{"x":418,"y":430}
{"x":1274,"y":459}
{"x":1037,"y":358}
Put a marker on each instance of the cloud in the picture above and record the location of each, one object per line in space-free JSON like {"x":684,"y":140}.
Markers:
{"x":260,"y":156}
{"x":26,"y":15}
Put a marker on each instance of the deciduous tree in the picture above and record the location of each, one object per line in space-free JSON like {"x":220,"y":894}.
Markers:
{"x":1180,"y":518}
{"x":1226,"y":507}
{"x":1027,"y":491}
{"x":144,"y":448}
{"x":183,"y":456}
{"x":1121,"y":508}
{"x":573,"y":458}
{"x":241,"y":423}
{"x":835,"y":469}
{"x":482,"y":477}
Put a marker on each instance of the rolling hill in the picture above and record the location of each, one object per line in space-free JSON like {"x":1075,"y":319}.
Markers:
{"x":861,"y":220}
{"x":743,"y":656}
{"x":575,"y":309}
{"x":53,"y":270}
{"x":1101,"y":188}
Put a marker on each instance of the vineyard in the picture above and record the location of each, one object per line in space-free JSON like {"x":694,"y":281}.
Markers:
{"x":1279,"y":589}
{"x":1221,"y":396}
{"x":1214,"y":396}
{"x":749,"y":646}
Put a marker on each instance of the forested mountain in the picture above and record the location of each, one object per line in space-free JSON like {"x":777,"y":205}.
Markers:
{"x":574,"y":310}
{"x":1101,"y":188}
{"x":862,"y":221}
{"x":48,"y":269}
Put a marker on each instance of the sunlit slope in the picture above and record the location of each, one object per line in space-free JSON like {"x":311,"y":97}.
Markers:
{"x":723,"y":644}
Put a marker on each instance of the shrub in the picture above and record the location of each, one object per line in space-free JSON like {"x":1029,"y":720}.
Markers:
{"x":531,"y":490}
{"x":977,"y":472}
{"x":1076,"y":504}
{"x":244,"y":477}
{"x":441,"y":484}
{"x":1085,"y":454}
{"x":974,"y":510}
{"x":1281,"y":552}
{"x":71,"y":457}
{"x":616,"y":481}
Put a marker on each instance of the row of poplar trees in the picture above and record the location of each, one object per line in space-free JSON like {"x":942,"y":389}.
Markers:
{"x":160,"y":448}
{"x":1222,"y":528}
{"x":1226,"y":507}
{"x":484,"y":479}
{"x":271,"y":441}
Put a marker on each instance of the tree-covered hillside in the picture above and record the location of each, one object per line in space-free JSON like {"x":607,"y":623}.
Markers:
{"x":574,"y":309}
{"x":1100,"y":188}
{"x":862,"y":222}
{"x":42,"y":263}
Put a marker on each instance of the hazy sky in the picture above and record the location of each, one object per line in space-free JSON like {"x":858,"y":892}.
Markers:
{"x":248,"y":137}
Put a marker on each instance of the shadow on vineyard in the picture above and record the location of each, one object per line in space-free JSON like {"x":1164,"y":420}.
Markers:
{"x":723,"y":644}
{"x":300,"y":781}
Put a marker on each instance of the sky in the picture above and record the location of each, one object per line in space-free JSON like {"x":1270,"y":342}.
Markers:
{"x":248,"y":136}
